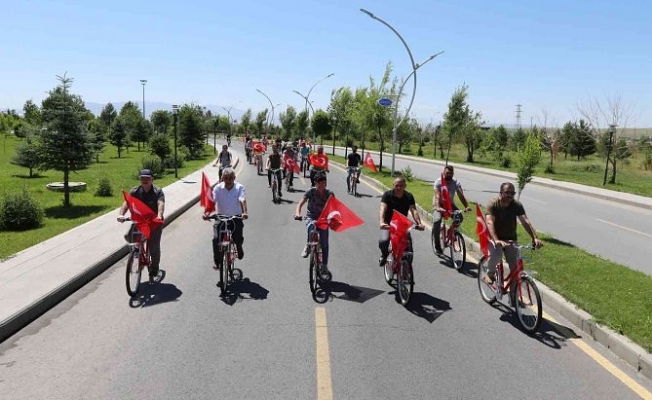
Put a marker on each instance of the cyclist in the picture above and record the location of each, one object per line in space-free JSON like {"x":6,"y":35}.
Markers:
{"x":274,"y":162}
{"x":154,"y":198}
{"x":501,"y":224}
{"x":353,"y":160}
{"x":289,"y":153}
{"x":454,"y":186}
{"x":400,"y":200}
{"x":315,"y":169}
{"x":248,"y":148}
{"x":224,"y":160}
{"x":228,"y":139}
{"x":230,"y":199}
{"x":304,"y":150}
{"x":316,"y":198}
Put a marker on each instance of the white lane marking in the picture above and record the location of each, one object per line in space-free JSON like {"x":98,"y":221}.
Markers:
{"x":624,"y":227}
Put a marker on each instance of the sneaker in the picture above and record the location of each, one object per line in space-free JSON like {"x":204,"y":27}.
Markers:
{"x":381,"y":261}
{"x":323,"y":270}
{"x":489,"y":279}
{"x":240,"y":252}
{"x":217,"y":267}
{"x":305,"y":252}
{"x":153,"y":273}
{"x":280,"y":194}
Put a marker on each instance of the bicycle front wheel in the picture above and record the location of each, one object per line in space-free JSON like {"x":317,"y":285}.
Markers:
{"x":458,"y":251}
{"x":486,"y":292}
{"x":274,"y":191}
{"x":405,"y":282}
{"x":133,"y":273}
{"x":312,"y":278}
{"x":223,"y":271}
{"x":389,"y":269}
{"x":527,"y":302}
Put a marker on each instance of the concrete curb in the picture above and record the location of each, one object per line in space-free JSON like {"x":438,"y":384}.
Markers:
{"x":618,"y":344}
{"x":32,"y":311}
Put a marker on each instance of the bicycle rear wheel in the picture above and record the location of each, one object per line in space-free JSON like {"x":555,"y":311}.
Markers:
{"x":312,"y":278}
{"x":527,"y":302}
{"x":458,"y":251}
{"x":405,"y":282}
{"x":486,"y":292}
{"x":133,"y":273}
{"x":389,"y":269}
{"x":274,"y":191}
{"x":223,"y":271}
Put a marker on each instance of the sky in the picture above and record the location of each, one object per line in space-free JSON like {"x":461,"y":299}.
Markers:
{"x":551,"y":57}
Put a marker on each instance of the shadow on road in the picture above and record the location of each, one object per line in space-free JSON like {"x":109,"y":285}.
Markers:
{"x":151,"y":294}
{"x":469,"y":269}
{"x":427,"y":307}
{"x":331,"y":290}
{"x":245,"y":289}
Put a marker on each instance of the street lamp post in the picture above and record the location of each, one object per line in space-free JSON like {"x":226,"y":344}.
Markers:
{"x":308,"y":116}
{"x":143,"y":82}
{"x":175,"y":111}
{"x":415,"y":67}
{"x":228,"y":111}
{"x":271,"y":105}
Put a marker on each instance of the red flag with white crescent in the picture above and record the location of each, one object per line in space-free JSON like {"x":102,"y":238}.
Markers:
{"x":291,"y":163}
{"x":319,"y":160}
{"x":398,"y":233}
{"x":446,"y":202}
{"x":206,"y":195}
{"x":482,"y":231}
{"x":369,"y":162}
{"x":337,"y":216}
{"x":145,"y":219}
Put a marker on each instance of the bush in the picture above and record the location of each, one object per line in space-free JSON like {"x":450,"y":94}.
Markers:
{"x":20,"y":212}
{"x":593,"y":168}
{"x":154,"y":164}
{"x":407,"y":173}
{"x":505,"y":161}
{"x":169,"y":162}
{"x":550,"y":169}
{"x":104,"y":188}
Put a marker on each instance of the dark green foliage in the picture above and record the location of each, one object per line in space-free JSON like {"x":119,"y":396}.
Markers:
{"x":191,"y":130}
{"x":159,"y":145}
{"x":28,"y":155}
{"x":19,"y":212}
{"x":118,"y":135}
{"x":104,"y":188}
{"x":154,"y":164}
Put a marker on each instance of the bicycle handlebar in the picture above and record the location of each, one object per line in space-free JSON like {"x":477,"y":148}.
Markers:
{"x":222,"y":218}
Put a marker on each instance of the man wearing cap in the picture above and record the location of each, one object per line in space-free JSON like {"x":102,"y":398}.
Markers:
{"x":154,"y":198}
{"x":318,"y":168}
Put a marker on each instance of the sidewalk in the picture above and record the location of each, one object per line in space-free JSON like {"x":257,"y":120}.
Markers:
{"x":36,"y":279}
{"x":605,"y":194}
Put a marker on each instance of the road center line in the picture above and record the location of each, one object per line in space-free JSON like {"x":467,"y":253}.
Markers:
{"x":624,"y":228}
{"x":324,"y":382}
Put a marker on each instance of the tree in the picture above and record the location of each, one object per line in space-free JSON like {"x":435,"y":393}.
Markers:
{"x":131,"y":116}
{"x":321,"y":124}
{"x":462,"y":122}
{"x":341,"y":109}
{"x":302,"y":124}
{"x":65,"y":143}
{"x":7,"y":123}
{"x":108,"y":115}
{"x":118,"y":135}
{"x":191,"y":130}
{"x":610,"y":114}
{"x":245,"y":120}
{"x":527,"y":160}
{"x":142,"y":132}
{"x":287,"y":119}
{"x":582,"y":142}
{"x":518,"y":139}
{"x":161,"y":120}
{"x":98,"y":138}
{"x":159,"y":145}
{"x":261,"y":118}
{"x":28,"y":155}
{"x":32,"y":113}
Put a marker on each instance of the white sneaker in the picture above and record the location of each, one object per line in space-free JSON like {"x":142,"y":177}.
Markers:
{"x":305,"y":252}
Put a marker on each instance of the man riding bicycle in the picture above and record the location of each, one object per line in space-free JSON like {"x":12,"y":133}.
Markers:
{"x":230,"y":199}
{"x":154,"y":198}
{"x":304,"y":150}
{"x":454,"y":186}
{"x":248,"y":150}
{"x":400,"y":200}
{"x":353,"y":161}
{"x":223,"y":160}
{"x":289,"y":154}
{"x":318,"y":168}
{"x":316,"y":198}
{"x":274,"y":163}
{"x":501,"y":224}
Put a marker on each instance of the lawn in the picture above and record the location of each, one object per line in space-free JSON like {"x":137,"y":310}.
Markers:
{"x":122,"y":173}
{"x":614,"y":295}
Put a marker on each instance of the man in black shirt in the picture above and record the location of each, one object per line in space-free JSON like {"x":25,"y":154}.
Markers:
{"x":274,"y":163}
{"x":154,"y":198}
{"x":353,"y":161}
{"x":400,"y":200}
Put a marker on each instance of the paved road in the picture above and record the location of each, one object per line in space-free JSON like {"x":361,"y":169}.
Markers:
{"x":180,"y":340}
{"x":614,"y":231}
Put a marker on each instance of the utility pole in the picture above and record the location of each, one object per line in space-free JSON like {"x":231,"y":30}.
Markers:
{"x":518,"y":116}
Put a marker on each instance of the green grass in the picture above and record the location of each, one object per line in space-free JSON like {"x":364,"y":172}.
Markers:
{"x":121,"y":172}
{"x":631,"y":176}
{"x":614,"y":295}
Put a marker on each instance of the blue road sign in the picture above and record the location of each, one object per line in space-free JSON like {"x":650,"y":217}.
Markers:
{"x":385,"y":102}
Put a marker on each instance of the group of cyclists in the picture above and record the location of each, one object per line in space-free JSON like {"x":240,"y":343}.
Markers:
{"x":230,"y":197}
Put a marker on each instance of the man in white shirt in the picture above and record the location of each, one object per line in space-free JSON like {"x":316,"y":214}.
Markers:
{"x":230,"y":199}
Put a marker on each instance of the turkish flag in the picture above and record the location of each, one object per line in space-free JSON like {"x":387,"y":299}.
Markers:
{"x":337,"y":216}
{"x":258,"y":147}
{"x":398,"y":233}
{"x":445,"y":197}
{"x":369,"y":162}
{"x":145,"y":219}
{"x":206,"y":196}
{"x":319,"y":160}
{"x":482,"y":231}
{"x":291,"y":163}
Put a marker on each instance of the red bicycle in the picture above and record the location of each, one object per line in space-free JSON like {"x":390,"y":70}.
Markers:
{"x":139,"y":258}
{"x":400,"y":270}
{"x":451,"y":238}
{"x":223,"y":229}
{"x":519,"y":285}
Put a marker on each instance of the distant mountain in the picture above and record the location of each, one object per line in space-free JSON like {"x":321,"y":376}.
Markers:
{"x":151,"y":106}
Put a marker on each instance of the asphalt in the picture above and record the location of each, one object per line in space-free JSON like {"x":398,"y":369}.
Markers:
{"x":38,"y":278}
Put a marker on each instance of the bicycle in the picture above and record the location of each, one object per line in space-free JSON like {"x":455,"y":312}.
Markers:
{"x":275,"y":185}
{"x":354,"y":179}
{"x":316,"y":275}
{"x":222,"y":229}
{"x":523,"y":293}
{"x":219,"y":172}
{"x":305,"y":165}
{"x":258,"y":160}
{"x":138,"y":250}
{"x":452,"y":239}
{"x":289,"y":177}
{"x":401,"y":269}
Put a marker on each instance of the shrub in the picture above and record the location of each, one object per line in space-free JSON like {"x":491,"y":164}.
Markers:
{"x":169,"y":162}
{"x":19,"y":212}
{"x":593,"y":168}
{"x":154,"y":164}
{"x":407,"y":173}
{"x":505,"y":161}
{"x":550,"y":169}
{"x":104,"y":188}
